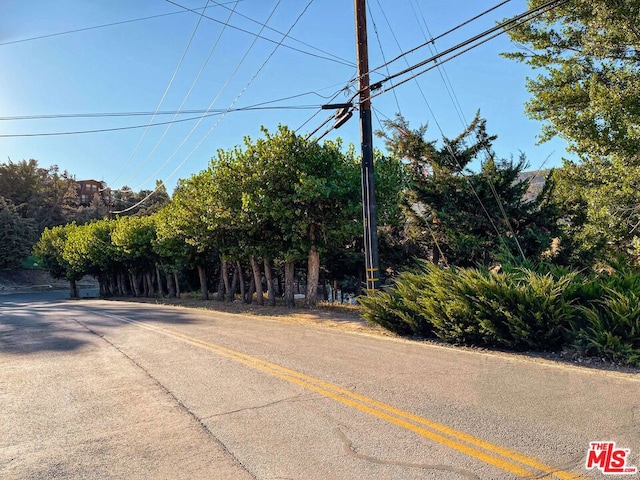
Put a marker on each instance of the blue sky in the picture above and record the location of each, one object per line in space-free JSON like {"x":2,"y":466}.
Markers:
{"x":129,"y":68}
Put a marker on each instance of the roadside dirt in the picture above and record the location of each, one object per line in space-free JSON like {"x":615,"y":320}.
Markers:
{"x":343,"y":317}
{"x":347,"y":318}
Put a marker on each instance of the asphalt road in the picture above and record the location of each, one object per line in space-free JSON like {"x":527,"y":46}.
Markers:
{"x":96,"y":389}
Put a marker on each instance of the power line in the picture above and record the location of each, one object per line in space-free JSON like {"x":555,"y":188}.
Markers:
{"x":244,"y":89}
{"x":426,"y":224}
{"x":375,"y":29}
{"x":170,"y":112}
{"x":187,"y":95}
{"x":213,"y":102}
{"x":456,"y":103}
{"x":336,"y":60}
{"x":166,"y":90}
{"x":185,"y":10}
{"x":319,"y":127}
{"x":95,"y":27}
{"x":212,"y":113}
{"x":504,"y":27}
{"x":286,"y":36}
{"x":331,"y":99}
{"x":451,"y":30}
{"x":442,"y":71}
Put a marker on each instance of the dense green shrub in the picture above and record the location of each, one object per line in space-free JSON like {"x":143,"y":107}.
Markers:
{"x":397,"y":308}
{"x":411,"y":288}
{"x":383,"y":308}
{"x":612,"y":328}
{"x":447,"y":304}
{"x":523,"y":310}
{"x":518,"y":309}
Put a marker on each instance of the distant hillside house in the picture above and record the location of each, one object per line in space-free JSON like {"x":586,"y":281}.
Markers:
{"x":87,"y":189}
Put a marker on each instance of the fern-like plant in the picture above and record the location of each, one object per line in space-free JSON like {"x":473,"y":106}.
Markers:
{"x":613,"y":328}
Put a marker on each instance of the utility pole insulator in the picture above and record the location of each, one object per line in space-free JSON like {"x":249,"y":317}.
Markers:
{"x":342,"y":116}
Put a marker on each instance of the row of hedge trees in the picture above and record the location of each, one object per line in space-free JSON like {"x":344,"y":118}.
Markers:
{"x":280,"y":200}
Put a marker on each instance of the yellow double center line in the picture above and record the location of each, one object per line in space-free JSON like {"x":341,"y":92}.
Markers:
{"x":509,"y":460}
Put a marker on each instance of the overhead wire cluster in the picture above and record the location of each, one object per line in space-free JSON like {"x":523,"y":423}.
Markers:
{"x":178,"y":115}
{"x":309,"y":51}
{"x":181,"y":114}
{"x":435,"y":60}
{"x":235,"y":100}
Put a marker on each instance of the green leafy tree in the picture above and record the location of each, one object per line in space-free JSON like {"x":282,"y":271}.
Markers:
{"x":50,"y":251}
{"x":190,"y":227}
{"x":21,"y":183}
{"x":89,"y":249}
{"x":600,"y":205}
{"x":588,"y":87}
{"x":344,"y":263}
{"x":305,"y":195}
{"x":170,"y":245}
{"x":126,"y":202}
{"x":587,"y":91}
{"x":43,"y":194}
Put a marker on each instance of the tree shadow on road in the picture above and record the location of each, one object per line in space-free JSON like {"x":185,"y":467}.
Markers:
{"x":25,"y":331}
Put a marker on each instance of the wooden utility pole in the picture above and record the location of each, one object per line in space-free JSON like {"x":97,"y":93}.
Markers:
{"x":366,"y":134}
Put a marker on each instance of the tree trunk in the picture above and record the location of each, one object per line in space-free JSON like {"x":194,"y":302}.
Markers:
{"x":204,"y":288}
{"x":234,"y":286}
{"x":175,"y":279}
{"x":435,"y":257}
{"x":73,"y":288}
{"x":149,"y":290}
{"x":135,"y":286}
{"x":257,"y":278}
{"x":171,"y":288}
{"x":159,"y":280}
{"x":252,"y":289}
{"x":123,"y":288}
{"x":220,"y":291}
{"x":271,"y":294}
{"x":241,"y":280}
{"x":361,"y":277}
{"x":289,"y":275}
{"x":225,"y":279}
{"x":113,"y":284}
{"x":325,"y":290}
{"x":101,"y":286}
{"x":313,"y":273}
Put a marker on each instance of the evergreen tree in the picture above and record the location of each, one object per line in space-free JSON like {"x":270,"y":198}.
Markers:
{"x":461,"y":217}
{"x":17,"y":235}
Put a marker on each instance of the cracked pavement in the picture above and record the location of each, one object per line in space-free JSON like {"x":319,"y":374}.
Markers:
{"x":87,"y":395}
